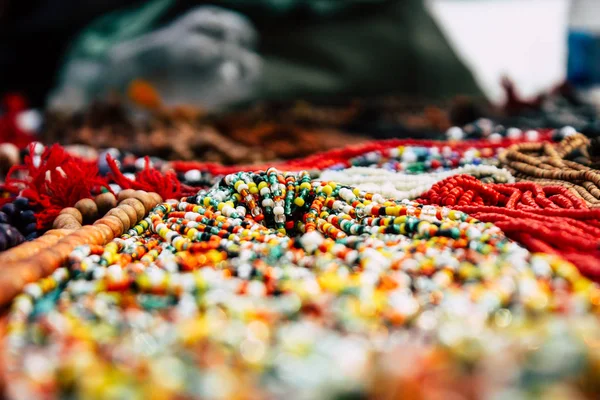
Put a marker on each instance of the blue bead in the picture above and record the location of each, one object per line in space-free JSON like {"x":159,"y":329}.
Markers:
{"x":31,"y":236}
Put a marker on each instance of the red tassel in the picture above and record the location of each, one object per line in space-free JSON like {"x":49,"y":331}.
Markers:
{"x":59,"y":181}
{"x":150,"y":180}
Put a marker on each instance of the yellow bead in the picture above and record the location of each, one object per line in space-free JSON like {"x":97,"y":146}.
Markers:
{"x":391,"y":210}
{"x":220,"y":206}
{"x":305,"y":185}
{"x":332,"y":184}
{"x":192,"y":233}
{"x":299,"y":201}
{"x":399,"y":220}
{"x":206,"y":201}
{"x":237,"y":184}
{"x":262,"y":185}
{"x":253,"y":190}
{"x":327,"y":190}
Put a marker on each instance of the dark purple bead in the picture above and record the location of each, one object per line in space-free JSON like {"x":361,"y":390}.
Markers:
{"x":21,"y":202}
{"x":12,"y":235}
{"x":27,"y":216}
{"x":9,"y":209}
{"x":30,"y":228}
{"x":3,"y":242}
{"x":3,"y":218}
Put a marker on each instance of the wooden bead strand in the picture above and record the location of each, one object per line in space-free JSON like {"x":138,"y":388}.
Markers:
{"x":33,"y":260}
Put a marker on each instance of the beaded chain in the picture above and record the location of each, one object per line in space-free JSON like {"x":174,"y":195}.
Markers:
{"x":378,"y":152}
{"x":398,"y":186}
{"x":272,"y":285}
{"x":548,"y":164}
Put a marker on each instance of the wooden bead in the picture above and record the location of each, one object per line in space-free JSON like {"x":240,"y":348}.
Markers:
{"x":88,"y":209}
{"x":90,"y":235}
{"x":156,"y":197}
{"x":137,"y":206}
{"x":106,"y":233}
{"x":146,"y":200}
{"x":74,"y":212}
{"x":105,"y":202}
{"x":131,"y":214}
{"x":122,"y":215}
{"x":66,"y":221}
{"x":66,"y":246}
{"x":11,"y":285}
{"x":125,"y":194}
{"x":113,"y":223}
{"x":9,"y":156}
{"x":51,"y":259}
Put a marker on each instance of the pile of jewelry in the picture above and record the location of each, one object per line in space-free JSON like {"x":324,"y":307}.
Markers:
{"x":390,"y":269}
{"x":272,"y":285}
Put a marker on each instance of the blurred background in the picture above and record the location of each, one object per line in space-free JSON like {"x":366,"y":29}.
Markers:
{"x":523,"y":39}
{"x":101,"y":72}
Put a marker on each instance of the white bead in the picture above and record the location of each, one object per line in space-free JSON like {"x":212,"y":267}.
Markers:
{"x":192,"y":175}
{"x":495,"y":138}
{"x":568,"y":131}
{"x":311,"y":240}
{"x":278,"y":210}
{"x":264,"y":191}
{"x":409,"y":155}
{"x":455,"y":133}
{"x":34,"y":290}
{"x":267,"y":203}
{"x":514,"y":133}
{"x":532,"y":135}
{"x":227,"y":210}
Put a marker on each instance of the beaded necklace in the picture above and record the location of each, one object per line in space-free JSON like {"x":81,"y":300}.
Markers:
{"x":344,"y":157}
{"x":400,"y":186}
{"x":546,"y":164}
{"x":549,"y":219}
{"x":248,"y":286}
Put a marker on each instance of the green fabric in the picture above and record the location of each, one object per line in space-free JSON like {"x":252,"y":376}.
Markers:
{"x":96,"y":39}
{"x":392,"y":49}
